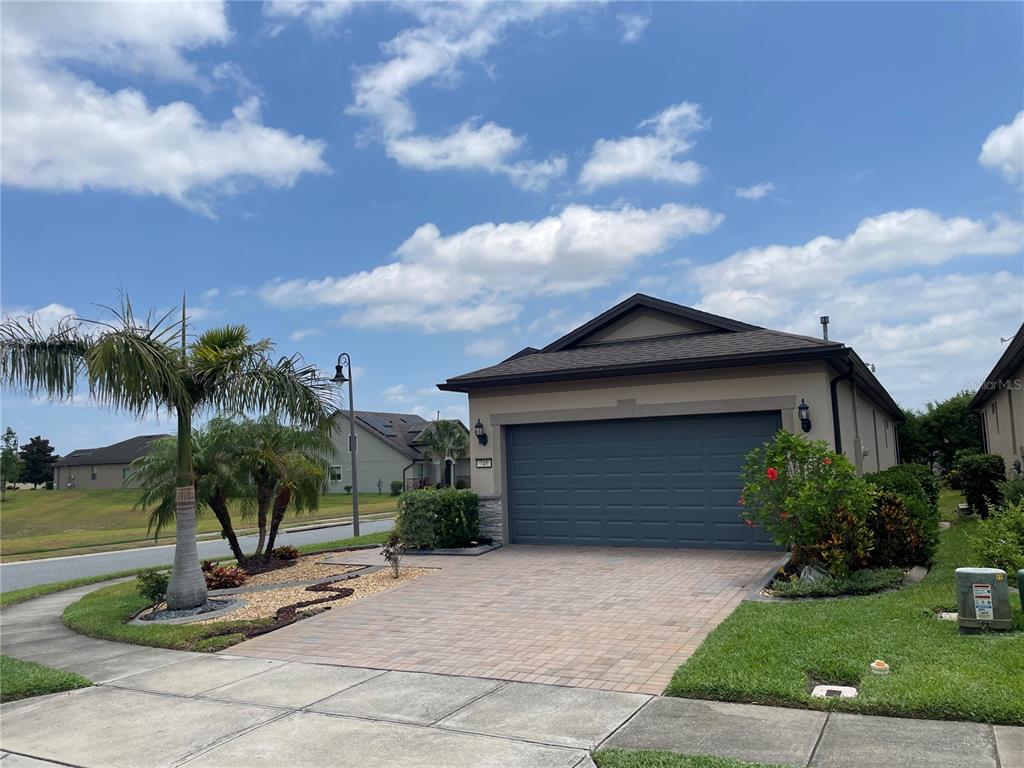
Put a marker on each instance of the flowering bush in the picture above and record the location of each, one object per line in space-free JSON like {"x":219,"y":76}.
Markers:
{"x":808,"y":498}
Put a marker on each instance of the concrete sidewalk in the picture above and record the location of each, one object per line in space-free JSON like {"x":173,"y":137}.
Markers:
{"x":156,"y":707}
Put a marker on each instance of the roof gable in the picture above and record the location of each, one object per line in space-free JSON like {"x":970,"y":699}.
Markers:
{"x":640,"y":317}
{"x":1007,"y":364}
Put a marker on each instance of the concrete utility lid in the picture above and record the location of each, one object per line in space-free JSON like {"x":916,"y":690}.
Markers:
{"x":834,"y":692}
{"x":947,"y":615}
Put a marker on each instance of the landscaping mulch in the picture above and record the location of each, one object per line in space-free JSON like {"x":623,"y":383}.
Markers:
{"x":268,"y":603}
{"x":303,"y":569}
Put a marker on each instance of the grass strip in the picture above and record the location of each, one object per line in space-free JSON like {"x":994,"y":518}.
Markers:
{"x":628,"y":758}
{"x":22,"y":679}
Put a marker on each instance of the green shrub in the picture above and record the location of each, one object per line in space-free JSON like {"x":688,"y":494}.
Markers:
{"x":900,"y":537}
{"x":392,"y":550}
{"x":223,"y":576}
{"x":396,"y":487}
{"x":152,"y":585}
{"x":980,"y":477}
{"x":285,"y":552}
{"x":438,"y":517}
{"x":928,"y":479}
{"x":999,"y":540}
{"x":862,"y":582}
{"x":810,"y":498}
{"x":1013,"y":490}
{"x":907,"y":533}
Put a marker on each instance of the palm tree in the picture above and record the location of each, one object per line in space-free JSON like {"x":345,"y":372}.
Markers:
{"x":216,"y":477}
{"x":299,"y":486}
{"x":138,"y":366}
{"x":281,"y":458}
{"x":446,"y":440}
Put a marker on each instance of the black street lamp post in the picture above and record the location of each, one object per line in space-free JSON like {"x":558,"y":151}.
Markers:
{"x":344,"y":361}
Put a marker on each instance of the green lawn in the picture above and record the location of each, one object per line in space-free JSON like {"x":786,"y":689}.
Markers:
{"x":104,"y":614}
{"x":949,"y":501}
{"x":770,"y":653}
{"x":624,"y":758}
{"x":21,"y":679}
{"x":43,"y":523}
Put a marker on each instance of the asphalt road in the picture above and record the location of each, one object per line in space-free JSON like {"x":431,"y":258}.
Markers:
{"x":28,"y":573}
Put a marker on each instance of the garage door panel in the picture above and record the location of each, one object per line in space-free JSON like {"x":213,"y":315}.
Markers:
{"x":664,"y":482}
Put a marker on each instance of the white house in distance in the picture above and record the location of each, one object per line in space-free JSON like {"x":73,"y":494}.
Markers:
{"x":390,"y":447}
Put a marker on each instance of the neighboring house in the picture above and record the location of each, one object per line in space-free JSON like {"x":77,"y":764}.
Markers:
{"x":390,"y":447}
{"x":1000,"y":403}
{"x":631,"y":430}
{"x":101,"y":468}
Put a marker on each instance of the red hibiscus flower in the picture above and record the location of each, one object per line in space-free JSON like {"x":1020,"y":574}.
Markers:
{"x":773,"y":473}
{"x":783,"y":516}
{"x":827,"y":461}
{"x":750,"y":523}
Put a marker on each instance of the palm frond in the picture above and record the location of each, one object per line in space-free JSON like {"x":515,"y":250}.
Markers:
{"x":37,"y":362}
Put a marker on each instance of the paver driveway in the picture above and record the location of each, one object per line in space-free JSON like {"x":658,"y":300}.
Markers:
{"x":614,"y":619}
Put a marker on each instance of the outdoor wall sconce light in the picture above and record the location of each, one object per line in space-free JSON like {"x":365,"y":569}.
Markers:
{"x":481,"y":435}
{"x":804,"y":411}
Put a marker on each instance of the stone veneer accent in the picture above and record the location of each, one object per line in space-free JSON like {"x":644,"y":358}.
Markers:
{"x":492,"y":522}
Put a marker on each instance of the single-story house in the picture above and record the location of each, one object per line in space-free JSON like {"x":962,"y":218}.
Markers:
{"x":631,"y":429}
{"x":101,"y":468}
{"x":1000,"y":403}
{"x":390,"y":446}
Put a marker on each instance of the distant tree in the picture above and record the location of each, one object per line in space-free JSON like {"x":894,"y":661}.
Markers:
{"x":935,"y":435}
{"x":10,"y":464}
{"x":38,"y":458}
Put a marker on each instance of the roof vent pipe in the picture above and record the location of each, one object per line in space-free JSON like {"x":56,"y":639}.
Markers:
{"x":824,"y":326}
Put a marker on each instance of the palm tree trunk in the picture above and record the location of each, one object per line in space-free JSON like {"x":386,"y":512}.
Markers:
{"x":280,"y":505}
{"x":187,"y":587}
{"x":263,"y":499}
{"x":219,"y":506}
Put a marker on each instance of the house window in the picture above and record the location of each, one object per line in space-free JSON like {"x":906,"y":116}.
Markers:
{"x":995,"y":415}
{"x":335,"y":474}
{"x":125,"y":472}
{"x":886,"y":433}
{"x":92,"y":473}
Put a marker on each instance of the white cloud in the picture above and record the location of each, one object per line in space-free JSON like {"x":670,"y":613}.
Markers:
{"x":755,"y":191}
{"x":1004,"y":149}
{"x":434,"y":52}
{"x":928,"y":334}
{"x":398,"y":394}
{"x":633,"y":26}
{"x":63,"y":132}
{"x":472,"y":146}
{"x":304,"y":333}
{"x":653,"y":156}
{"x":317,"y":15}
{"x":473,"y":279}
{"x":45,"y":318}
{"x":493,"y":348}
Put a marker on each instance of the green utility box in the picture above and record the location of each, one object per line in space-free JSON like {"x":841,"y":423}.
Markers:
{"x":982,"y":599}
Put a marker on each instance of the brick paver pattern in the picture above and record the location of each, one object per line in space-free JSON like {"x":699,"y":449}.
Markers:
{"x":611,"y":619}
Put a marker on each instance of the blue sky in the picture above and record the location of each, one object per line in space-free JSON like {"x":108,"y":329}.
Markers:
{"x":432,"y":187}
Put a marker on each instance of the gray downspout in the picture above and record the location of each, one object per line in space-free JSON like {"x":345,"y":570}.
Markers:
{"x":836,"y":429}
{"x":406,"y":469}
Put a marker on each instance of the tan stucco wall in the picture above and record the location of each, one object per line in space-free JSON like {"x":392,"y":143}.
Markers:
{"x":867,"y":433}
{"x":108,"y":477}
{"x":376,"y":460}
{"x":728,"y":390}
{"x":1003,"y":417}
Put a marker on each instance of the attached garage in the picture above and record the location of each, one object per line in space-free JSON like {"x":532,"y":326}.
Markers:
{"x":631,"y":430}
{"x":670,"y":482}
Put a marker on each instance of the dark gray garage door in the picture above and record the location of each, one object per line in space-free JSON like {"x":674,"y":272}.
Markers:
{"x":658,"y":482}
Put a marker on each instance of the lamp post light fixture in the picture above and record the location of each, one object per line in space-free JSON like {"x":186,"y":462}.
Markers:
{"x":481,"y":435}
{"x":344,"y":361}
{"x":804,"y":411}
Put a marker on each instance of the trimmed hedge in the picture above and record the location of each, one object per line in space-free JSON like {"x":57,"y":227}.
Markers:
{"x":432,"y":518}
{"x":999,"y":540}
{"x":980,"y":476}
